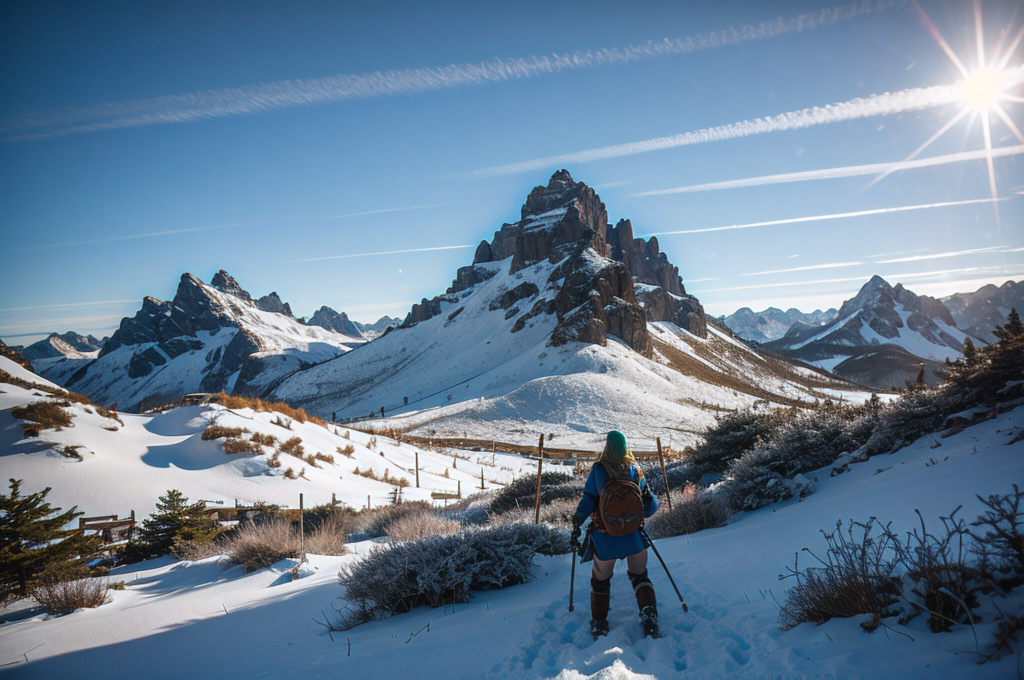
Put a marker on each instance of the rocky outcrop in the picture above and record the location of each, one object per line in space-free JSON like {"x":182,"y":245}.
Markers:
{"x":226,"y":283}
{"x":646,"y":262}
{"x":684,"y":311}
{"x":979,"y":313}
{"x":61,"y":344}
{"x":467,"y":277}
{"x":325,"y":317}
{"x":426,"y":309}
{"x":273,"y":303}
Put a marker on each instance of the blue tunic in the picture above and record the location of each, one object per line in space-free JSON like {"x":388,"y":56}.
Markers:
{"x":613,"y":547}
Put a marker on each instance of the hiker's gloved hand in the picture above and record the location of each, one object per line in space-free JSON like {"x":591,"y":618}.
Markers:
{"x":575,"y":536}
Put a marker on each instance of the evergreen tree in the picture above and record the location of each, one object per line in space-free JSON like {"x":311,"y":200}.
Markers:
{"x":32,"y":536}
{"x":970,"y":352}
{"x":175,"y":520}
{"x":1013,"y":328}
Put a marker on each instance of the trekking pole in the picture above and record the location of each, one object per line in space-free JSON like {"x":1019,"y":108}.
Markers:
{"x":643,"y":532}
{"x":572,"y":574}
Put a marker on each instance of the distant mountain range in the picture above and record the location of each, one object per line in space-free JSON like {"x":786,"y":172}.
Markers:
{"x":772,"y":323}
{"x":979,"y":312}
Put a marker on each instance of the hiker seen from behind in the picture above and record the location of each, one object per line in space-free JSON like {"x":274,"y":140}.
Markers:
{"x":616,"y":499}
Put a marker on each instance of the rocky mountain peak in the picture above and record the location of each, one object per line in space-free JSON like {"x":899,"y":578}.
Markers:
{"x":325,"y":317}
{"x":273,"y":303}
{"x":226,"y":283}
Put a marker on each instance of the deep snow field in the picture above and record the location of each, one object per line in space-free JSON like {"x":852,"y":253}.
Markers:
{"x":208,"y":619}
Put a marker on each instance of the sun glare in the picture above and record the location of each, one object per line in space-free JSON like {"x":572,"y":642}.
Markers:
{"x":982,"y":89}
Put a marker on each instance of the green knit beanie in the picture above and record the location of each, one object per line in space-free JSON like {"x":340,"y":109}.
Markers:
{"x":617,"y":444}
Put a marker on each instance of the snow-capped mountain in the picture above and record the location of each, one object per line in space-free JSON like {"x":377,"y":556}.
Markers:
{"x":208,"y":338}
{"x":773,"y":323}
{"x":377,"y":328}
{"x":325,"y":317}
{"x":880,"y":338}
{"x":562,"y":324}
{"x":980,"y":312}
{"x":68,"y":344}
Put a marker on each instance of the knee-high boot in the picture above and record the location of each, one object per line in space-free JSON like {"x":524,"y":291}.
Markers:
{"x":600,"y":600}
{"x":646,"y":602}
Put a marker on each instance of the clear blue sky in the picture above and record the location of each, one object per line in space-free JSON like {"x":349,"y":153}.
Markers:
{"x":139,"y":141}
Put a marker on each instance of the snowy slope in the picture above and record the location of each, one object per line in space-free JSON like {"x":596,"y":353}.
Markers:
{"x":177,"y":619}
{"x":126,"y":467}
{"x":466,"y":370}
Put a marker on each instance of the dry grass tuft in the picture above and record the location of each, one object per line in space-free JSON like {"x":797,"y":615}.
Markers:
{"x":298,"y":414}
{"x":215,"y":431}
{"x":65,"y":588}
{"x":47,"y":414}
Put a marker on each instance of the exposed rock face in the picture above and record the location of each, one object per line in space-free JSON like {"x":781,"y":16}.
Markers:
{"x":273,"y":303}
{"x":325,"y":317}
{"x":209,"y":338}
{"x":226,"y":283}
{"x":566,"y":224}
{"x":65,"y":344}
{"x":880,"y":337}
{"x":980,"y":312}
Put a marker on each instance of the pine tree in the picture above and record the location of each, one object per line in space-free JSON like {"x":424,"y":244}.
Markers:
{"x":175,"y":520}
{"x":1013,"y":328}
{"x":32,"y":536}
{"x":970,"y":352}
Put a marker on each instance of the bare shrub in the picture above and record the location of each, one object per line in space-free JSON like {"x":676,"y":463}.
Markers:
{"x":943,"y":578}
{"x":215,"y":431}
{"x":293,"y":447}
{"x":256,"y":546}
{"x":290,"y":473}
{"x":730,"y":437}
{"x":71,"y":452}
{"x":387,"y":478}
{"x":558,"y":512}
{"x":63,"y":588}
{"x":47,"y":414}
{"x":328,"y":538}
{"x":275,"y":460}
{"x":263,"y":439}
{"x":693,"y":510}
{"x":375,"y":522}
{"x":1000,"y":538}
{"x":416,"y":526}
{"x":347,"y":451}
{"x":193,"y":551}
{"x":325,"y":457}
{"x":109,"y":413}
{"x":855,"y":577}
{"x":237,"y":445}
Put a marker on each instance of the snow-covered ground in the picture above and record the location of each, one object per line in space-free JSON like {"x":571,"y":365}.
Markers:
{"x":207,"y":619}
{"x":126,"y":467}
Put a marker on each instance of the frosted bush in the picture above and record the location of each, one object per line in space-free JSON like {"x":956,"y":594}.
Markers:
{"x":679,"y":473}
{"x":256,"y":546}
{"x":438,"y":569}
{"x":729,"y":438}
{"x":374,"y":523}
{"x":692,"y":510}
{"x":520,"y":494}
{"x":757,"y":479}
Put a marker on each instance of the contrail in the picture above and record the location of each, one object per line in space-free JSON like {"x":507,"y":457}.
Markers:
{"x":835,"y":216}
{"x":98,"y":303}
{"x":849,"y":171}
{"x":876,"y":105}
{"x":230,"y":225}
{"x":831,"y":265}
{"x":384,"y":252}
{"x":304,"y":92}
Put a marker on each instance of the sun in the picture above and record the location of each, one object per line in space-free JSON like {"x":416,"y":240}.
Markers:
{"x":983,"y":90}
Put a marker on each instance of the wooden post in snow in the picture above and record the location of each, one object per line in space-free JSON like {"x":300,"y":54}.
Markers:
{"x":367,"y":501}
{"x":302,"y":533}
{"x":417,"y":468}
{"x":540,"y":468}
{"x":481,"y":477}
{"x":664,"y":474}
{"x":458,"y":487}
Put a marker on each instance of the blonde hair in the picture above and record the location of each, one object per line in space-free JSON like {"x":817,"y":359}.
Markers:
{"x":615,"y":464}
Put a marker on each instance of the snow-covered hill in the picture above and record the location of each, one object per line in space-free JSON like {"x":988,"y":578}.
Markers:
{"x":208,"y":619}
{"x":208,"y":338}
{"x":563,"y":325}
{"x":126,"y":465}
{"x":773,"y":323}
{"x":881,"y":337}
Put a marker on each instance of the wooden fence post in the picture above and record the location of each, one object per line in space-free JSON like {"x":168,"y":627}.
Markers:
{"x":302,"y":533}
{"x":664,"y":474}
{"x":417,"y":468}
{"x":481,"y":477}
{"x":458,"y":487}
{"x":540,"y":468}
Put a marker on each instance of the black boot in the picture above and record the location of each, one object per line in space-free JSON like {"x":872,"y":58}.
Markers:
{"x":647,"y":603}
{"x":600,"y":600}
